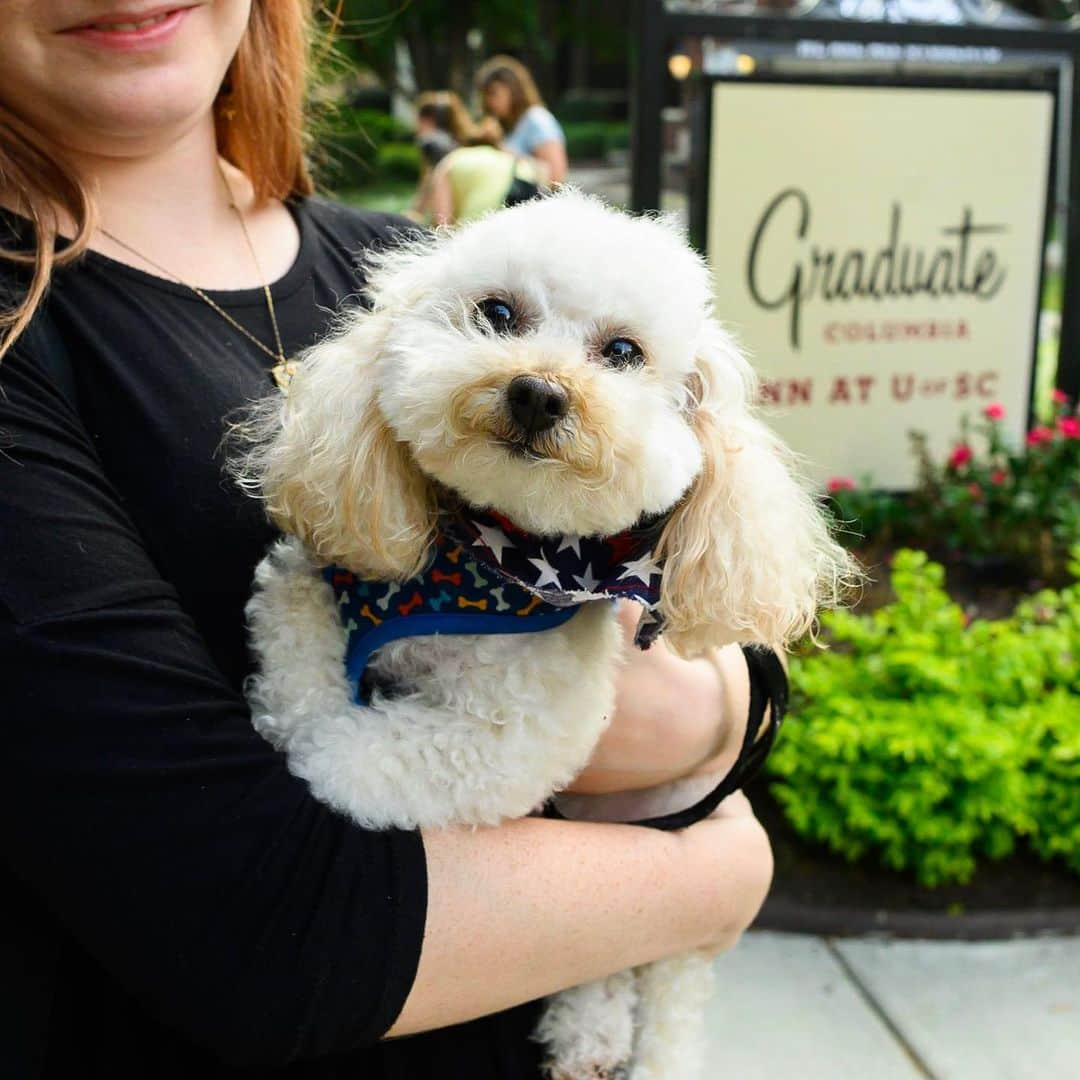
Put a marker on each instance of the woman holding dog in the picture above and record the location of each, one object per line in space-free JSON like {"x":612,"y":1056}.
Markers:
{"x":176,"y":904}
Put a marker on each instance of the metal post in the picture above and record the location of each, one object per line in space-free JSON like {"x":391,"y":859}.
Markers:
{"x":647,"y":99}
{"x":1068,"y":373}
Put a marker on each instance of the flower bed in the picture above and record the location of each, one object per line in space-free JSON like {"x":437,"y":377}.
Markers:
{"x":931,"y":742}
{"x":1006,"y":511}
{"x":932,"y":760}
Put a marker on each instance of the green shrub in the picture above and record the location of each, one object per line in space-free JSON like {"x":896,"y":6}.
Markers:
{"x":863,"y":512}
{"x":377,"y":126}
{"x":581,"y":109}
{"x":929,"y":742}
{"x":355,"y":144}
{"x":398,"y":161}
{"x":591,"y":140}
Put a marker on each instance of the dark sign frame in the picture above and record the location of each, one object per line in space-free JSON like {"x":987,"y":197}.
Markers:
{"x":658,"y":30}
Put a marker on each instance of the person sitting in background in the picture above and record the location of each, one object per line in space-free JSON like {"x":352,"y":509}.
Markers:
{"x":442,"y":124}
{"x":476,"y":175}
{"x":510,"y":96}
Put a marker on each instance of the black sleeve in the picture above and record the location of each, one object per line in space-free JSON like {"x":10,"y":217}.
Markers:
{"x":140,"y":805}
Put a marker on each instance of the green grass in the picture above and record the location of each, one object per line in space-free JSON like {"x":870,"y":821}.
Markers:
{"x":390,"y":197}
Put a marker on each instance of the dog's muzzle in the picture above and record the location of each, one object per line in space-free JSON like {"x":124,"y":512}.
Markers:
{"x":535,"y":404}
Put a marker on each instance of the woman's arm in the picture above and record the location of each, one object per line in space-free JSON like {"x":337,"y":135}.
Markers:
{"x":553,"y":154}
{"x":440,"y":195}
{"x":536,"y":906}
{"x":167,"y":838}
{"x":419,"y":207}
{"x":539,"y":135}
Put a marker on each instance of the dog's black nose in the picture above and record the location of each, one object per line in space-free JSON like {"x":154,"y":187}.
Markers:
{"x":535,"y":403}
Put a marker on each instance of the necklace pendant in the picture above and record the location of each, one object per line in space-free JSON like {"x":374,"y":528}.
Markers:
{"x":283,"y":371}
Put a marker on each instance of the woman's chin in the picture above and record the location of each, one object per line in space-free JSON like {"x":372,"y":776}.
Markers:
{"x":143,"y":111}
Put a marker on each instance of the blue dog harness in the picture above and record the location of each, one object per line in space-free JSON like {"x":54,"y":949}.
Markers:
{"x":486,"y":576}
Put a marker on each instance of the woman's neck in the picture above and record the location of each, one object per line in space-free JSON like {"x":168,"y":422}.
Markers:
{"x":172,"y":206}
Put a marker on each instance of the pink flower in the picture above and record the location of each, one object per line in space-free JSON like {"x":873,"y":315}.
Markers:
{"x":961,"y":455}
{"x":1039,"y":435}
{"x":999,"y":477}
{"x":994,"y":411}
{"x":1069,"y":426}
{"x":840,"y":483}
{"x":975,"y":491}
{"x":1059,"y":397}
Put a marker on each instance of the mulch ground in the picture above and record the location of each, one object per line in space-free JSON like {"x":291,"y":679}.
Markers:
{"x":985,"y":590}
{"x":810,"y":875}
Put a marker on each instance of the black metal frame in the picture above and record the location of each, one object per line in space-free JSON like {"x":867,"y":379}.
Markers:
{"x":656,"y":30}
{"x":1040,"y":82}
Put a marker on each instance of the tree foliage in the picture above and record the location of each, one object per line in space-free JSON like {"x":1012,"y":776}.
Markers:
{"x":437,"y":37}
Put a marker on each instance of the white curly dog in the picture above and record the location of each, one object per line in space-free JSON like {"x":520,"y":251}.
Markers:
{"x":552,"y":368}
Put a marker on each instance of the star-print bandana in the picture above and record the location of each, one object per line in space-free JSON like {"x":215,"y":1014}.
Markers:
{"x":568,"y":571}
{"x":485,"y":575}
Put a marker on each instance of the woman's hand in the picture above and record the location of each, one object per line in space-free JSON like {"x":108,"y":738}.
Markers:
{"x":553,"y":156}
{"x":673,"y":717}
{"x":733,"y":829}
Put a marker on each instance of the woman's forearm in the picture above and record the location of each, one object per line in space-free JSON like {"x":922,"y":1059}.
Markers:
{"x":535,"y":906}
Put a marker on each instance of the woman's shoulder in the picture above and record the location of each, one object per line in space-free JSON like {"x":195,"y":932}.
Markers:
{"x":354,"y":228}
{"x":542,"y":121}
{"x":539,"y":113}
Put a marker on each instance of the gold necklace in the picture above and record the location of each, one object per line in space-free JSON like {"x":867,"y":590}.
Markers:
{"x":283,"y":369}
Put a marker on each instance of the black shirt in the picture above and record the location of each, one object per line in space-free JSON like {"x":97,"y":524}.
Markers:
{"x":173,"y":903}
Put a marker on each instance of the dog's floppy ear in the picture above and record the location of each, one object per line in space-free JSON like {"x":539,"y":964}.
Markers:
{"x":748,"y":554}
{"x":330,"y":469}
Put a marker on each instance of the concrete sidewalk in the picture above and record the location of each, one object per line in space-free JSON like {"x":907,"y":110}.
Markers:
{"x":793,"y":1007}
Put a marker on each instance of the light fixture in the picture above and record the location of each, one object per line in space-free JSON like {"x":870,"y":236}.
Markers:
{"x":680,"y":65}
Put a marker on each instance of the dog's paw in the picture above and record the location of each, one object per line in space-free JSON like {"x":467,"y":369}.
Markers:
{"x":589,"y":1030}
{"x":592,"y":1072}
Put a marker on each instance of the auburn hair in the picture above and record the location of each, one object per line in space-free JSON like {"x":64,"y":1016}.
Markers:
{"x":515,"y":76}
{"x":259,"y":120}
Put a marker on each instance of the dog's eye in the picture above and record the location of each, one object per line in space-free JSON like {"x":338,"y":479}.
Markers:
{"x":498,"y":314}
{"x":621,"y":352}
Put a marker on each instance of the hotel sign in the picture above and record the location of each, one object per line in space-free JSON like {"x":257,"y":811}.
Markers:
{"x":878,"y":251}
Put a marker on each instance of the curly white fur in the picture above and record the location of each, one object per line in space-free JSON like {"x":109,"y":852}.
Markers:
{"x":448,"y":751}
{"x":408,"y":402}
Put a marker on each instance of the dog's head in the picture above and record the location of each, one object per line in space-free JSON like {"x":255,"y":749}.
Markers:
{"x":555,"y":362}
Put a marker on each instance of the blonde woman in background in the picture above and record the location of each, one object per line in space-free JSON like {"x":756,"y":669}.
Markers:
{"x":509,"y":94}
